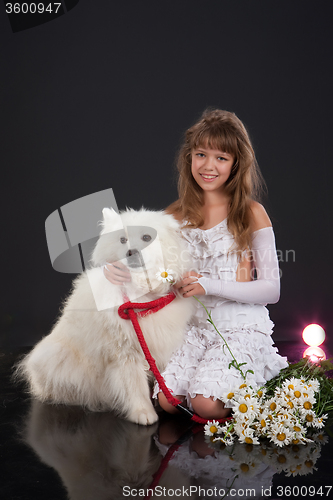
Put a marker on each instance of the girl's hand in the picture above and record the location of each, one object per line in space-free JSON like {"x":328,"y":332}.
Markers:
{"x":188,"y":286}
{"x":117,"y":273}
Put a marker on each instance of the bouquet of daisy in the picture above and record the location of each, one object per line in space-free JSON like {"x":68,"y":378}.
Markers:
{"x":286,"y":410}
{"x":283,"y":418}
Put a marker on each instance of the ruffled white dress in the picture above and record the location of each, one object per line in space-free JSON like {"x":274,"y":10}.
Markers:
{"x":201,"y":365}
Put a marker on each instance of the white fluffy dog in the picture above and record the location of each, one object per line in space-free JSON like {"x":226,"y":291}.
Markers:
{"x":92,"y":357}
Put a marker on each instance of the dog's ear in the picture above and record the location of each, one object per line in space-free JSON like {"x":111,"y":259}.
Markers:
{"x":111,"y":220}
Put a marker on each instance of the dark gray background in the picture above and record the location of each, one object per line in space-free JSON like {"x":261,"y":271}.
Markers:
{"x":101,"y":97}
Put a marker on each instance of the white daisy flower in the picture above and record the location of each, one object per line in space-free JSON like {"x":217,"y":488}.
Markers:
{"x":287,"y":403}
{"x":319,"y":422}
{"x":292,"y":384}
{"x":261,"y":393}
{"x":246,"y":408}
{"x":299,"y":433}
{"x":263,"y":424}
{"x":314,"y":385}
{"x":243,"y":386}
{"x":294,"y":388}
{"x":306,"y":403}
{"x":268,"y":415}
{"x":308,"y":392}
{"x":286,"y":417}
{"x":280,"y":434}
{"x":279,"y":393}
{"x":212,"y":428}
{"x":273,"y":405}
{"x":229,"y":396}
{"x":240,"y":425}
{"x":165,"y":275}
{"x":247,"y":436}
{"x":308,"y":416}
{"x":245,"y":390}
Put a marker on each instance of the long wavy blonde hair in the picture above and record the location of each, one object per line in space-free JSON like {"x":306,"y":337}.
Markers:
{"x":222,"y":130}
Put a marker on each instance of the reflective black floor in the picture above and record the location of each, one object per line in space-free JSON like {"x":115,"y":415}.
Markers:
{"x":58,"y":452}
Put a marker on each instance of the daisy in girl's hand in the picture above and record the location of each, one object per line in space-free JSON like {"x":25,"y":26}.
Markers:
{"x":165,"y":275}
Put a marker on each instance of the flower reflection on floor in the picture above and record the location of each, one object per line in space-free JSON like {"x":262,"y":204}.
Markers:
{"x":296,"y":459}
{"x":210,"y":461}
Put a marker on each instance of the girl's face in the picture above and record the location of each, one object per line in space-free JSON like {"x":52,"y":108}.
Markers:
{"x":211,"y":168}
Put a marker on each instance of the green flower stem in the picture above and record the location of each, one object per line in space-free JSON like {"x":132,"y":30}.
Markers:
{"x":229,"y":487}
{"x":231,"y":426}
{"x":234,"y":363}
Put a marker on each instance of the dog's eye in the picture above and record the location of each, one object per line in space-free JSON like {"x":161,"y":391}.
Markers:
{"x":146,"y":237}
{"x":123,"y":239}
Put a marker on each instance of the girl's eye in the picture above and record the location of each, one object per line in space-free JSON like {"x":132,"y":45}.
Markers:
{"x":222,"y":158}
{"x":200,"y":155}
{"x":123,"y":239}
{"x":146,"y":237}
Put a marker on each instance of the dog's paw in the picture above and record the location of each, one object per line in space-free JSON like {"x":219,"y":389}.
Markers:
{"x":143,"y":416}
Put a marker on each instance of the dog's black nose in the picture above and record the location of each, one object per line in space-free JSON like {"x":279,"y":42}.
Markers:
{"x":132,"y":251}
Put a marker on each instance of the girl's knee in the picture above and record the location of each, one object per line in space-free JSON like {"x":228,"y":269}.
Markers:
{"x":208,"y":408}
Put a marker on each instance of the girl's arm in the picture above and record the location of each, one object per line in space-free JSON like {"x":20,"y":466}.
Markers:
{"x":266,"y":288}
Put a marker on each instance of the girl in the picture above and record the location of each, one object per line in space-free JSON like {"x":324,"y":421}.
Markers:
{"x":230,"y":238}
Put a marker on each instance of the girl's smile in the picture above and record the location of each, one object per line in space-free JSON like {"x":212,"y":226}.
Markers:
{"x":211,"y":166}
{"x":208,"y":178}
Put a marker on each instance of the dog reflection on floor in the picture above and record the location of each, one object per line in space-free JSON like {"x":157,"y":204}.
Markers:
{"x":96,"y":454}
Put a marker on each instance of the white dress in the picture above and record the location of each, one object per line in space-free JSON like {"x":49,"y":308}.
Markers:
{"x":201,"y":365}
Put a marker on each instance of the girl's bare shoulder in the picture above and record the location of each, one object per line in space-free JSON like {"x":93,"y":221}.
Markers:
{"x":259,"y":217}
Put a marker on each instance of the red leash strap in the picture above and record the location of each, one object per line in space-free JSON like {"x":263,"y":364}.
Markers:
{"x":126,"y":311}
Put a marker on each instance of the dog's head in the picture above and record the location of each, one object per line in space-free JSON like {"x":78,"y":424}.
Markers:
{"x":146,"y":242}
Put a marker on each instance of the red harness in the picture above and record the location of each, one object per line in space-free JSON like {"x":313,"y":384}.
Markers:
{"x":126,"y":311}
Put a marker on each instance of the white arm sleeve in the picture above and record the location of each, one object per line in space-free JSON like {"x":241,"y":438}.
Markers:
{"x":266,"y":288}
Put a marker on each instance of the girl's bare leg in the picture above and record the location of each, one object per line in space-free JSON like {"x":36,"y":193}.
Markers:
{"x":208,"y":408}
{"x":167,"y":406}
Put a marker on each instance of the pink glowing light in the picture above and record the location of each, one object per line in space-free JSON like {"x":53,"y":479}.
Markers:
{"x":315,"y":354}
{"x":313,"y":335}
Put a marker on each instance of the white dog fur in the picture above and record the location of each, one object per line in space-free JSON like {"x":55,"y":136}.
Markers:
{"x":93,"y":357}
